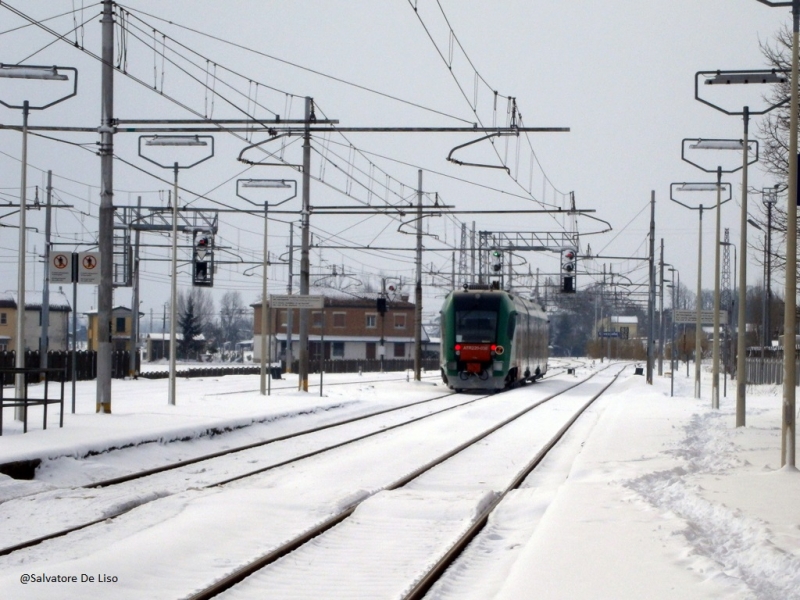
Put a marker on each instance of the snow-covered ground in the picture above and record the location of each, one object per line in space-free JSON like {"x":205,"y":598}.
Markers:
{"x":649,"y":496}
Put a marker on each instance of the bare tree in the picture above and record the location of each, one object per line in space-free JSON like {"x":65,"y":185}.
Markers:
{"x":774,"y":152}
{"x":235,"y":323}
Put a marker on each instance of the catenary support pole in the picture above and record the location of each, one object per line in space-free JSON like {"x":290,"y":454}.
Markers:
{"x":651,"y":297}
{"x":74,"y":365}
{"x":418,"y":287}
{"x":106,"y":213}
{"x":19,"y":342}
{"x":44,"y":341}
{"x":264,"y":303}
{"x":173,"y":294}
{"x":715,"y":350}
{"x":661,"y":312}
{"x":698,"y":323}
{"x":305,"y":268}
{"x":741,"y":375}
{"x":135,"y":296}
{"x":790,"y":294}
{"x":290,"y":311}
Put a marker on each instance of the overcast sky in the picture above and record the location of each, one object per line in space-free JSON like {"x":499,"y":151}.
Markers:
{"x":618,"y":73}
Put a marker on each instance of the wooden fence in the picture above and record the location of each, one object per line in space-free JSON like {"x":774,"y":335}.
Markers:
{"x":85,"y":364}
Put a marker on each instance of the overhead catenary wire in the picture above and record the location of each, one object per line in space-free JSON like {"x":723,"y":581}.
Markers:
{"x":163,"y":53}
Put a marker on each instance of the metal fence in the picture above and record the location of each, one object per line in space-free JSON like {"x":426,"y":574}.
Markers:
{"x":367,"y":365}
{"x":767,"y":371}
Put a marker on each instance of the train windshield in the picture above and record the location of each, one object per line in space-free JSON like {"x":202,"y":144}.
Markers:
{"x":476,"y":326}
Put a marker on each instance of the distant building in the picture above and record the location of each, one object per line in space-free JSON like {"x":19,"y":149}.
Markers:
{"x":158,"y":345}
{"x":626,"y":326}
{"x":57,"y":330}
{"x":121,"y":325}
{"x":353,"y":329}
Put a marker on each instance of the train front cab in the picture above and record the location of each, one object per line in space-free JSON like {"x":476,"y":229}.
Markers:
{"x":491,"y":340}
{"x":473,"y":351}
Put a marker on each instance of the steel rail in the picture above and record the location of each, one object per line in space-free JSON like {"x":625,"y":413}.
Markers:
{"x":154,"y":471}
{"x":245,"y":571}
{"x":173,"y":466}
{"x":426,"y":582}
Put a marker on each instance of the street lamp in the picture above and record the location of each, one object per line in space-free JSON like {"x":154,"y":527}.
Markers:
{"x":717,"y":144}
{"x":790,"y":300}
{"x":268,"y":184}
{"x":672,"y":365}
{"x":699,"y":187}
{"x":745,"y":77}
{"x":44,"y":73}
{"x":175,"y":141}
{"x":769,"y":197}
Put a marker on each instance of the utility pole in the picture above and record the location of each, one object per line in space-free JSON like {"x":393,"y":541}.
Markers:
{"x":44,"y":344}
{"x":305,"y":269}
{"x":106,"y":214}
{"x":290,"y":311}
{"x":661,"y":314}
{"x":135,"y":296}
{"x":472,"y":256}
{"x":382,"y":349}
{"x":418,"y":287}
{"x":741,"y":347}
{"x":651,"y":297}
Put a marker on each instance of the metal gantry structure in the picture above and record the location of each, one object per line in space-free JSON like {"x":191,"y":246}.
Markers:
{"x":111,"y":234}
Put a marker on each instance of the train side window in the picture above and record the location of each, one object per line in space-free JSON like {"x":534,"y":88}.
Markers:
{"x":512,"y":324}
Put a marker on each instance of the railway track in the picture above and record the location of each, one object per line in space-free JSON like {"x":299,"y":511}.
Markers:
{"x":178,"y":467}
{"x":423,"y":583}
{"x":127,"y":506}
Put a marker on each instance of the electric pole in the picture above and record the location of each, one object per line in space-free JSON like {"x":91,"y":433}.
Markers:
{"x":106,"y":214}
{"x":651,"y":297}
{"x":305,"y":270}
{"x":418,"y":287}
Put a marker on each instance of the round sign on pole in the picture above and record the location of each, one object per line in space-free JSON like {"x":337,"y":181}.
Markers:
{"x":89,"y":268}
{"x":60,"y":267}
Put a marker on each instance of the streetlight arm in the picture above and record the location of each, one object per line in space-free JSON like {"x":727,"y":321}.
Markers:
{"x":49,"y":69}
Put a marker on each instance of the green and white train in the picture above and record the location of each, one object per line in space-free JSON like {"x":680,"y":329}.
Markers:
{"x":491,"y":340}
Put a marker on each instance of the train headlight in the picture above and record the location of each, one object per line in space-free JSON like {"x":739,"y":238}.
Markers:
{"x":457,"y":348}
{"x":499,"y":350}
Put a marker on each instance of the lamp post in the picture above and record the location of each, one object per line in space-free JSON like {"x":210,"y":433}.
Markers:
{"x":43,"y":73}
{"x":699,"y":187}
{"x":746,"y":77}
{"x":268,"y":184}
{"x":717,"y":144}
{"x":790,"y":300}
{"x":175,"y":141}
{"x":769,"y":197}
{"x":672,"y":271}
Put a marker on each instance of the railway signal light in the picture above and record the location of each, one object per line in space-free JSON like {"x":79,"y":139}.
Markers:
{"x":568,"y":268}
{"x":497,"y":261}
{"x":203,"y":259}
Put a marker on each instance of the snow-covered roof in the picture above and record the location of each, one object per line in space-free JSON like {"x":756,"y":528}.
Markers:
{"x":178,"y":336}
{"x":625,"y":320}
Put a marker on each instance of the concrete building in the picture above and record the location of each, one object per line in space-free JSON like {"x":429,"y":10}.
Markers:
{"x":121,"y":324}
{"x":353,"y":329}
{"x":57,"y":331}
{"x":626,"y":326}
